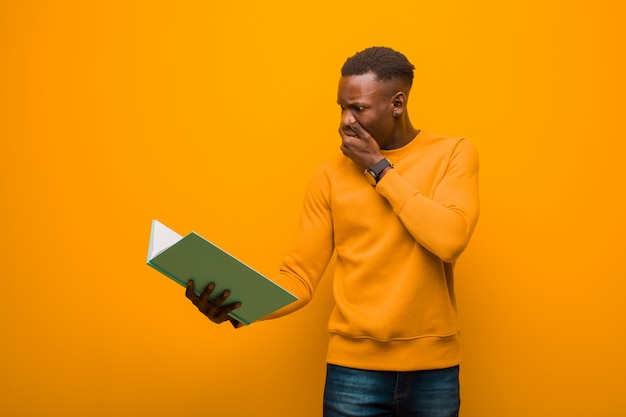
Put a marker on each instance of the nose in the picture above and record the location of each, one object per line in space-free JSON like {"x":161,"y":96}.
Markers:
{"x":347,"y":118}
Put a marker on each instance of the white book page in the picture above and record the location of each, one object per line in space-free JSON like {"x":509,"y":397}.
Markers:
{"x":161,"y":238}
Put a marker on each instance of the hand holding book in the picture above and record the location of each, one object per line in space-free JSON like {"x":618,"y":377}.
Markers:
{"x":215,"y":311}
{"x":211,"y":276}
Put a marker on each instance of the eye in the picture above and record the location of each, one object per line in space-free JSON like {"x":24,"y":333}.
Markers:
{"x":353,"y":107}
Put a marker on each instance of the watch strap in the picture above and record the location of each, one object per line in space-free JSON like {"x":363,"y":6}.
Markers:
{"x":375,"y":171}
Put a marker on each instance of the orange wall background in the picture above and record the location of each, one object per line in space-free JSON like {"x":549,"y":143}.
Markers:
{"x":210,"y":116}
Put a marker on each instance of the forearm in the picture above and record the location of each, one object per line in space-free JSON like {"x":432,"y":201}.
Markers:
{"x":298,"y":287}
{"x":444,"y":228}
{"x":305,"y":264}
{"x":300,"y":274}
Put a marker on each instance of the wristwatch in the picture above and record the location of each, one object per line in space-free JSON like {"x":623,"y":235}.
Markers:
{"x":373,"y":173}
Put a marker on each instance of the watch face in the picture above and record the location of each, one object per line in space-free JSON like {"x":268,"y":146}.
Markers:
{"x":370,"y":177}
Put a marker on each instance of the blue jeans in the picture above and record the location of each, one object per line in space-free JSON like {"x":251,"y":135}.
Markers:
{"x":360,"y":393}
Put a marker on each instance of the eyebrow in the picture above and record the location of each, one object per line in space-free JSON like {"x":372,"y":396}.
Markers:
{"x":356,"y":103}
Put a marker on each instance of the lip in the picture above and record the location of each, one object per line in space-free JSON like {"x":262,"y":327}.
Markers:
{"x":349,"y":132}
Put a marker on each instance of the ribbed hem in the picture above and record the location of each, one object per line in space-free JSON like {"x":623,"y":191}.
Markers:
{"x":405,"y":355}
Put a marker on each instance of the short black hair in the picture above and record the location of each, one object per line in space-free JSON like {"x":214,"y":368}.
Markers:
{"x":384,"y":62}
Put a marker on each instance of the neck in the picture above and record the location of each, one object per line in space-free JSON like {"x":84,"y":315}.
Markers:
{"x":403,"y":134}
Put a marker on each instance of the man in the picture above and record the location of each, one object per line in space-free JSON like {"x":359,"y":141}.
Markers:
{"x":398,"y":208}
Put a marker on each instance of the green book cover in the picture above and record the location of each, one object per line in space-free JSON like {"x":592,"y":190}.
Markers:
{"x":193,"y":257}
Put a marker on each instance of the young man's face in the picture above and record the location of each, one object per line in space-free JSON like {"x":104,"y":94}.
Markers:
{"x":368,"y":102}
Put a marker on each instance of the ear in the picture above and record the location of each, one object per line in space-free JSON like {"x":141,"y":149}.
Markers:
{"x":399,"y":104}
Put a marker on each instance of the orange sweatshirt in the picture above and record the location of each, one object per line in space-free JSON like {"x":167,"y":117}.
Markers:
{"x":395,"y":245}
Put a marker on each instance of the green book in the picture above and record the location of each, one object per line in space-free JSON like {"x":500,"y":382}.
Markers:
{"x":193,"y":257}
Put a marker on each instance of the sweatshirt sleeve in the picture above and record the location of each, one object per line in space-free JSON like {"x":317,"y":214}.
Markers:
{"x":305,"y":264}
{"x":444,"y":223}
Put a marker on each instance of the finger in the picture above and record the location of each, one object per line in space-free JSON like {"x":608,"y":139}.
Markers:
{"x":358,"y":129}
{"x":213,"y":309}
{"x":204,"y":296}
{"x":222,"y":314}
{"x":230,"y":307}
{"x":220,"y":300}
{"x":343,"y":148}
{"x":190,"y":291}
{"x":341,"y":132}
